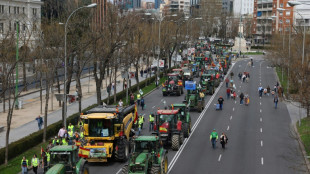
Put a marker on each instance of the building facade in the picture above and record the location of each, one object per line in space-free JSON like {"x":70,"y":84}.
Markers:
{"x":243,"y":6}
{"x":24,"y":15}
{"x":302,"y":15}
{"x":282,"y":20}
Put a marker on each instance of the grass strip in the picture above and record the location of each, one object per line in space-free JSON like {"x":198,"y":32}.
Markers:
{"x":304,"y":132}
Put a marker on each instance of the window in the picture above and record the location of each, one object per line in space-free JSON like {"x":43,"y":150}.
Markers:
{"x":9,"y":9}
{"x":34,"y":11}
{"x":280,"y":13}
{"x":274,"y":5}
{"x":2,"y":9}
{"x":24,"y":27}
{"x":34,"y":27}
{"x":23,"y":10}
{"x":281,"y":5}
{"x":280,"y":21}
{"x":1,"y":27}
{"x":15,"y":11}
{"x":288,"y":13}
{"x":287,"y":21}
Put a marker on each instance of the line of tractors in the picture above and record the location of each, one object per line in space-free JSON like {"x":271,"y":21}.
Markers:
{"x":109,"y":131}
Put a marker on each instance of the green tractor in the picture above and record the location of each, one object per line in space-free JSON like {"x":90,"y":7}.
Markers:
{"x":64,"y":159}
{"x":192,"y":98}
{"x":207,"y":85}
{"x":184,"y":117}
{"x":174,"y":85}
{"x":168,"y":127}
{"x":215,"y":76}
{"x":148,"y":157}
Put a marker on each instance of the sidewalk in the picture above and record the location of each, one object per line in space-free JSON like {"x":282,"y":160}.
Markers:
{"x":54,"y":116}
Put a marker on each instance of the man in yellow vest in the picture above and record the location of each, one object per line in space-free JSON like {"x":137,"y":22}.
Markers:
{"x":141,"y":121}
{"x":35,"y":163}
{"x":70,"y":133}
{"x":151,"y":120}
{"x":70,"y":127}
{"x":24,"y":165}
{"x":48,"y":156}
{"x":55,"y":141}
{"x":64,"y":142}
{"x":138,"y":99}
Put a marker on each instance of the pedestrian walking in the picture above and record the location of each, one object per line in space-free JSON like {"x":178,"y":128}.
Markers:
{"x":265,"y":91}
{"x":113,"y":86}
{"x":141,"y":73}
{"x":35,"y":163}
{"x":132,"y":99}
{"x":246,"y":99}
{"x":272,"y":93}
{"x":268,"y":90}
{"x":109,"y":89}
{"x":227,"y":81}
{"x":138,"y":98}
{"x":275,"y":88}
{"x":223,"y":140}
{"x":228,"y":91}
{"x":24,"y":165}
{"x":240,"y":75}
{"x":213,"y":138}
{"x":241,"y":96}
{"x":234,"y":95}
{"x":142,"y":103}
{"x":120,"y":103}
{"x":221,"y":101}
{"x":275,"y":100}
{"x":243,"y":78}
{"x":44,"y":161}
{"x":151,"y":121}
{"x":40,"y":122}
{"x":260,"y":91}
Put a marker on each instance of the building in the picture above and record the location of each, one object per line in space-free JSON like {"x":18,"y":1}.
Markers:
{"x":302,"y":13}
{"x":282,"y":20}
{"x":157,"y":4}
{"x":148,"y":5}
{"x":26,"y":14}
{"x":99,"y":15}
{"x":243,"y":6}
{"x":228,"y":6}
{"x":182,"y":6}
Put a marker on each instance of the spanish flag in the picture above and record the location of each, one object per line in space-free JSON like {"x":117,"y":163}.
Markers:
{"x":78,"y":143}
{"x":83,"y":152}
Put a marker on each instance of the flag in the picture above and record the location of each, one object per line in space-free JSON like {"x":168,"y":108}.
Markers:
{"x":78,"y":143}
{"x":42,"y":150}
{"x":83,"y":152}
{"x":136,"y":114}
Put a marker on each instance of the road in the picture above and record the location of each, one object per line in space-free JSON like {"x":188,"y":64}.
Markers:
{"x":260,"y":138}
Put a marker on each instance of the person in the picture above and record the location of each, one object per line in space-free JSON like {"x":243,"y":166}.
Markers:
{"x":265,"y":91}
{"x":228,"y":91}
{"x":268,"y":90}
{"x":55,"y":141}
{"x":76,"y":95}
{"x":140,"y":125}
{"x":35,"y":163}
{"x":142,"y":103}
{"x":243,"y":78}
{"x":280,"y":91}
{"x":272,"y":93}
{"x":241,"y":96}
{"x":71,"y":127}
{"x":201,"y":95}
{"x":252,"y":62}
{"x":120,"y":103}
{"x":221,"y":101}
{"x":48,"y":158}
{"x":275,"y":88}
{"x":109,"y":89}
{"x":113,"y":86}
{"x":223,"y":140}
{"x":141,"y":73}
{"x":24,"y":165}
{"x":125,"y":83}
{"x":61,"y":132}
{"x":227,"y":81}
{"x":80,"y":124}
{"x":138,"y":98}
{"x":275,"y":100}
{"x":64,"y":141}
{"x":50,"y":144}
{"x":260,"y":91}
{"x":213,"y":138}
{"x":234,"y":95}
{"x":44,"y":161}
{"x":40,"y":122}
{"x":240,"y":75}
{"x":141,"y":121}
{"x":246,"y":99}
{"x":76,"y":136}
{"x":231,"y":75}
{"x":70,"y":133}
{"x":132,"y":99}
{"x":151,"y":120}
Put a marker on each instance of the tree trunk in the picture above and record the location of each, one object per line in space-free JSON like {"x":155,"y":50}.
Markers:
{"x":24,"y":76}
{"x":58,"y":84}
{"x":47,"y":89}
{"x":8,"y":123}
{"x":115,"y":84}
{"x":41,"y":100}
{"x":98,"y":84}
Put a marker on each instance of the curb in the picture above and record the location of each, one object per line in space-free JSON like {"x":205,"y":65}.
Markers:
{"x":302,"y":148}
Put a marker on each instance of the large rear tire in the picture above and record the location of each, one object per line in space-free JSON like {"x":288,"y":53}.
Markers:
{"x":155,"y":170}
{"x":122,"y":153}
{"x":164,"y":165}
{"x":175,"y":142}
{"x":186,"y":130}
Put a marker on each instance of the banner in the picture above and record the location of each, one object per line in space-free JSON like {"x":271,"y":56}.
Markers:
{"x":161,"y":63}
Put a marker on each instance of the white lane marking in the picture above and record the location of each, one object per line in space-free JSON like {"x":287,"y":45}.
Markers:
{"x":261,"y":143}
{"x":261,"y":129}
{"x":228,"y":128}
{"x":260,"y":83}
{"x":220,"y":157}
{"x":262,"y":160}
{"x":260,"y":97}
{"x":233,"y":109}
{"x":235,"y":102}
{"x":176,"y":156}
{"x":230,"y":117}
{"x":240,"y":86}
{"x":153,"y":107}
{"x":261,"y":119}
{"x":260,"y":103}
{"x":238,"y":90}
{"x":260,"y":110}
{"x":119,"y":171}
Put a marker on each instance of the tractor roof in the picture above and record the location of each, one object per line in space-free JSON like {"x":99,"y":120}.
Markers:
{"x":167,"y":112}
{"x":179,"y":105}
{"x":110,"y":109}
{"x":147,"y":138}
{"x":99,"y":116}
{"x":206,"y":75}
{"x":172,"y":74}
{"x":63,"y":148}
{"x":176,"y":69}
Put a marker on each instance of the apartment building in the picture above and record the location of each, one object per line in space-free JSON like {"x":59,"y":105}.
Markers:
{"x":182,"y":6}
{"x":26,"y":14}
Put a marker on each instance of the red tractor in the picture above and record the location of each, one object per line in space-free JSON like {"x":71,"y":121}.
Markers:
{"x":168,"y":126}
{"x":174,"y":85}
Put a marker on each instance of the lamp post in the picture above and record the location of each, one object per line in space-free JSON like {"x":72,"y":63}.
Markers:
{"x":65,"y":73}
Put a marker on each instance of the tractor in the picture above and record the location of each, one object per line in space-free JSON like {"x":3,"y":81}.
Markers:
{"x":148,"y":156}
{"x":215,"y":76}
{"x":168,"y":127}
{"x":185,"y":118}
{"x":192,"y":98}
{"x":207,"y":85}
{"x":173,"y":85}
{"x":64,"y":159}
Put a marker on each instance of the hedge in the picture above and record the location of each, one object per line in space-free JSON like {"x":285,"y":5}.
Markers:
{"x":22,"y":145}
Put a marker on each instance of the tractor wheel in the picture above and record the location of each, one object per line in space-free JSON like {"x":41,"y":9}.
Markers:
{"x":186,"y":130}
{"x":155,"y":170}
{"x":175,"y":142}
{"x":164,"y":94}
{"x":190,"y":126}
{"x":122,"y":153}
{"x":124,"y":170}
{"x":199,"y":107}
{"x":181,"y":137}
{"x":179,"y":92}
{"x":182,"y":92}
{"x":164,"y":165}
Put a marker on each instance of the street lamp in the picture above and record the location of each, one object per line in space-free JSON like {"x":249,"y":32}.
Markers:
{"x":65,"y":84}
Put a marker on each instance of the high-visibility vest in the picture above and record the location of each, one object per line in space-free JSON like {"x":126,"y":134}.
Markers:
{"x":48,"y":157}
{"x":138,"y":96}
{"x":81,"y":135}
{"x":140,"y":120}
{"x":57,"y":141}
{"x":151,"y":118}
{"x":34,"y":162}
{"x":70,"y":134}
{"x":64,"y":142}
{"x":71,"y":127}
{"x":24,"y":163}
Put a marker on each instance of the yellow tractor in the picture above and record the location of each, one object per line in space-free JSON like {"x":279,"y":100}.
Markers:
{"x":107,"y":133}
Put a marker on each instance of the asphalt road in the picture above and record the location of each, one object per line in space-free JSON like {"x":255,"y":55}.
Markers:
{"x":259,"y":135}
